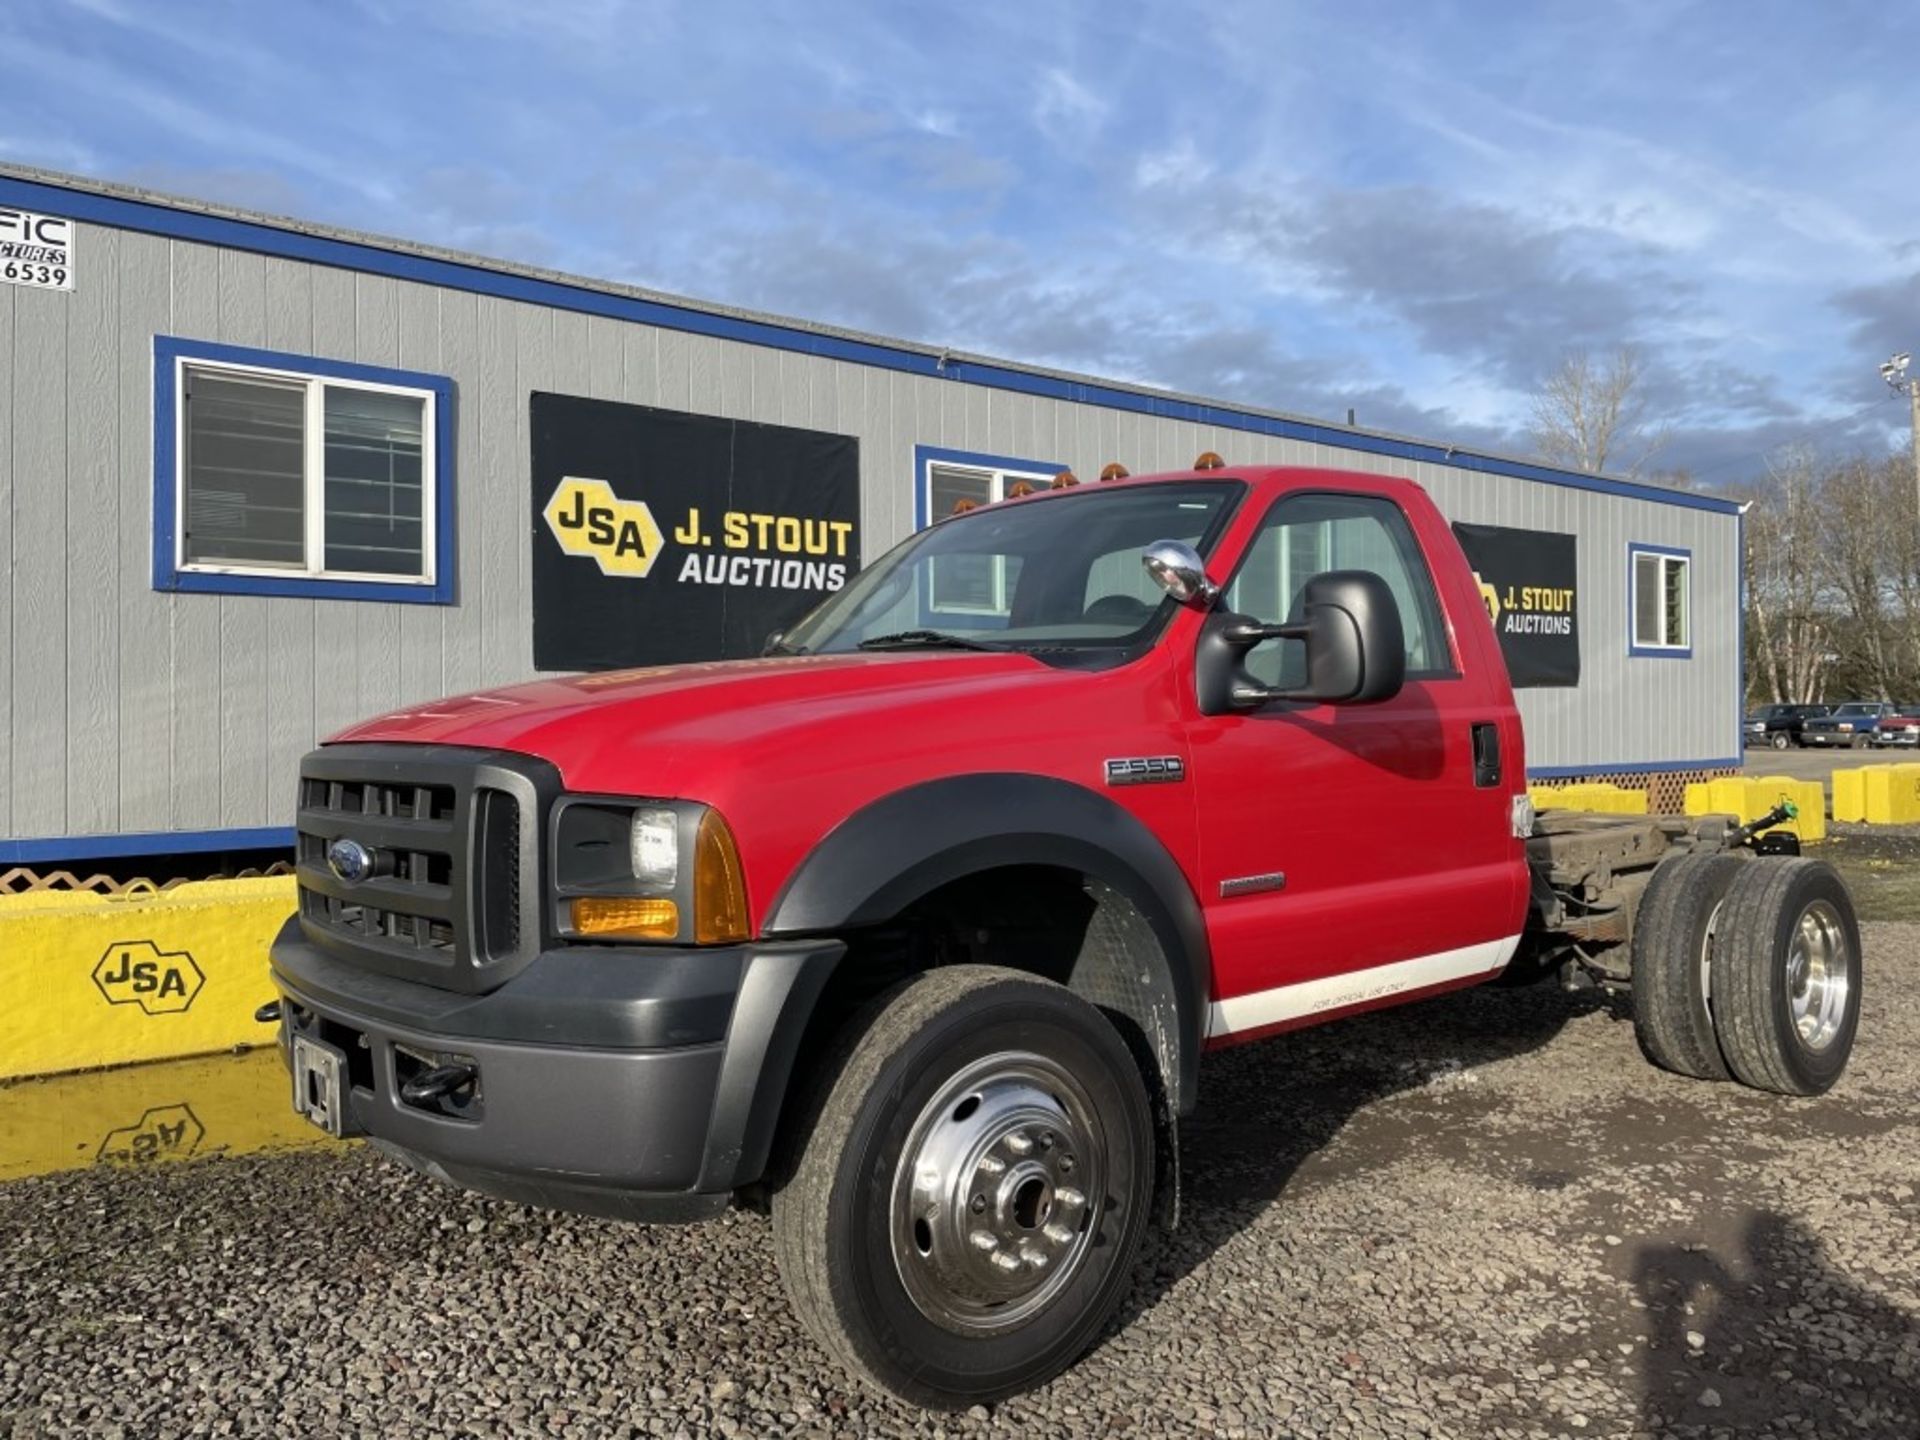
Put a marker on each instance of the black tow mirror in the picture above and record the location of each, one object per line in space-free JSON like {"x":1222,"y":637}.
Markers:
{"x":1356,"y":651}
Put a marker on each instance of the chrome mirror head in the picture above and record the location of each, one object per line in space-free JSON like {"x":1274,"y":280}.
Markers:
{"x":1177,"y":568}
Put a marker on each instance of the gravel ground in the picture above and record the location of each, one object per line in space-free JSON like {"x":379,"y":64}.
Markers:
{"x":1484,"y":1217}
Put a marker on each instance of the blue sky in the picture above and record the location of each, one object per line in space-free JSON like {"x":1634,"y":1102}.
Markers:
{"x":1410,"y":210}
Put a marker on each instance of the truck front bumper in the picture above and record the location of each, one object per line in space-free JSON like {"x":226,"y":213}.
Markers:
{"x":636,"y":1082}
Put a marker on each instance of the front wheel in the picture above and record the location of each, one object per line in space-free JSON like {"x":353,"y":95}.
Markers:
{"x":1779,"y":740}
{"x":971,"y":1187}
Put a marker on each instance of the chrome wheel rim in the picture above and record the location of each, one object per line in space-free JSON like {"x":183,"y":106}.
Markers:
{"x":1819,"y":975}
{"x":997,"y":1194}
{"x":1707,"y":937}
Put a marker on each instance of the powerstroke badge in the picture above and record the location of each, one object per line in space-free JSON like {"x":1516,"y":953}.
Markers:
{"x":1146,"y":770}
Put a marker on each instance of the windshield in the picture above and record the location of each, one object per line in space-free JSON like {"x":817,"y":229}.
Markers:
{"x":1056,"y":574}
{"x":1858,"y":710}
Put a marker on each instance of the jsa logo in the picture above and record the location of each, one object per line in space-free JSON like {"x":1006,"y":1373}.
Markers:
{"x":590,"y":521}
{"x":166,"y":1132}
{"x":138,"y":972}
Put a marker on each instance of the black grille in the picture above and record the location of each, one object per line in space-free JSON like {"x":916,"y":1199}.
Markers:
{"x":451,"y":835}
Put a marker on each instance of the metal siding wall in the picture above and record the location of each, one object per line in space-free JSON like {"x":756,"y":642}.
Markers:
{"x":38,"y":735}
{"x":9,"y":493}
{"x":131,"y":710}
{"x":143,"y":747}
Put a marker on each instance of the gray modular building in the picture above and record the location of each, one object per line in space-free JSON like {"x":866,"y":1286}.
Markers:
{"x":259,"y":479}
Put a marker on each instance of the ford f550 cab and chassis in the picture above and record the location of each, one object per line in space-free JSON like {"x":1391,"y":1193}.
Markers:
{"x":916,"y":928}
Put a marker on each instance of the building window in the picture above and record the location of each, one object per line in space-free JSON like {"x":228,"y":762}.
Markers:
{"x":286,"y":475}
{"x":951,"y":482}
{"x":1660,"y":590}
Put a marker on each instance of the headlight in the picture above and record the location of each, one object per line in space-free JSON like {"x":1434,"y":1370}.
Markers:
{"x":653,"y":847}
{"x":646,"y":870}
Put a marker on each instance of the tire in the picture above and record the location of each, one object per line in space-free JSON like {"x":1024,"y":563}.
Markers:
{"x":1786,"y":977}
{"x":1856,"y":742}
{"x":1674,"y":933}
{"x":1779,"y":740}
{"x":957,"y":1072}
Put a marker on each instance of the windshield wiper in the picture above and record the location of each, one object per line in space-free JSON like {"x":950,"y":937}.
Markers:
{"x":923,"y":640}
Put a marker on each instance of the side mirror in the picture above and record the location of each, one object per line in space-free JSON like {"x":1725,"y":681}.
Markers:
{"x":1356,"y":649}
{"x":775,"y":639}
{"x":1176,"y":567}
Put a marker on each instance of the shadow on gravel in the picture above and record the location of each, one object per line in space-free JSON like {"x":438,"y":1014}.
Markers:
{"x":1788,"y":1344}
{"x":1266,"y":1107}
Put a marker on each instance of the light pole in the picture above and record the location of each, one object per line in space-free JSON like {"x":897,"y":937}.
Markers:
{"x":1894,"y":372}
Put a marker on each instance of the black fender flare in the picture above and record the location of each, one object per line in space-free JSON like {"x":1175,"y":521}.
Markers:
{"x":888,"y":854}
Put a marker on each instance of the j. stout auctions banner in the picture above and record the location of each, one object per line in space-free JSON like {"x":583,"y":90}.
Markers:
{"x":660,"y":536}
{"x":1530,"y":581}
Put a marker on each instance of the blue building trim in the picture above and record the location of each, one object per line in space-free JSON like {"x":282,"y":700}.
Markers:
{"x":923,"y":455}
{"x":167,"y":575}
{"x":1635,"y":549}
{"x":1637,"y":767}
{"x":250,"y":235}
{"x":149,"y":842}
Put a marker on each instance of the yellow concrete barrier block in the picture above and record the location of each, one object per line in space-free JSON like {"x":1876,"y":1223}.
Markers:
{"x":1750,"y":797}
{"x":1892,"y":794}
{"x":1765,"y":792}
{"x":1726,"y":795}
{"x":1589,"y":795}
{"x":92,"y":980}
{"x":1850,"y":794}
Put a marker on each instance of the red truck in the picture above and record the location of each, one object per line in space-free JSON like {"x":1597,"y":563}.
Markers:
{"x":915,"y":929}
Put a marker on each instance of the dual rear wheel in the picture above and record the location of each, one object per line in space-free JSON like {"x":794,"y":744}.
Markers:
{"x":1748,"y":969}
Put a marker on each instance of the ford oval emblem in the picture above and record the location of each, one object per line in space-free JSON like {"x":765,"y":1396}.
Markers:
{"x":349,"y":859}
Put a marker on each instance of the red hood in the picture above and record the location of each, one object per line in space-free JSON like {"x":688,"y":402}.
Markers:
{"x":668,"y":729}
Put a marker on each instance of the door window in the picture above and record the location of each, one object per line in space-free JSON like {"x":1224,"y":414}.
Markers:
{"x":1308,"y":535}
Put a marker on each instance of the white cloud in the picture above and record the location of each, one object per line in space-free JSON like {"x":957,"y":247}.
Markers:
{"x":1066,"y":110}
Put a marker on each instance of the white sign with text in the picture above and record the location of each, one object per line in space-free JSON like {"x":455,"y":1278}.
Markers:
{"x":36,"y":250}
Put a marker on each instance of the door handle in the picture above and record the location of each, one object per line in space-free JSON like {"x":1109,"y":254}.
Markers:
{"x":1486,"y":756}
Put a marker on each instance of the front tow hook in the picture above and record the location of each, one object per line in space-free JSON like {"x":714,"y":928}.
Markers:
{"x":269,"y":1013}
{"x":438,"y":1083}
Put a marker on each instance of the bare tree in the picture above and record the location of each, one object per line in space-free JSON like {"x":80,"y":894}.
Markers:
{"x":1592,"y":412}
{"x":1789,"y":622}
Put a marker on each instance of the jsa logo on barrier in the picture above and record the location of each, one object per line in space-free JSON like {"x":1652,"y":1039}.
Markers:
{"x":166,"y":1132}
{"x":589,"y":520}
{"x":138,"y":972}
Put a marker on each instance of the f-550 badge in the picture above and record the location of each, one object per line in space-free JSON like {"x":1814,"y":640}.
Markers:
{"x":1146,"y":770}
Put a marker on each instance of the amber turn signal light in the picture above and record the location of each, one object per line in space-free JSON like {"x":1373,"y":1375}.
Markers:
{"x":719,"y":888}
{"x":626,"y":917}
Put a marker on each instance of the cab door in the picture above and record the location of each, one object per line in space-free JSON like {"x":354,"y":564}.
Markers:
{"x":1353,"y":853}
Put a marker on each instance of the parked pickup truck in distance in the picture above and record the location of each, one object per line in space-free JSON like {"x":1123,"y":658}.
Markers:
{"x":1852,"y":724}
{"x":914,"y":930}
{"x":1778,"y":726}
{"x":1900,"y":726}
